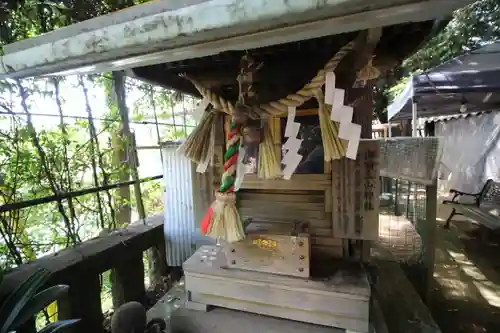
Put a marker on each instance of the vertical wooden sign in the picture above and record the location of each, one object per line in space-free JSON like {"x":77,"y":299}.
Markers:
{"x":355,"y":189}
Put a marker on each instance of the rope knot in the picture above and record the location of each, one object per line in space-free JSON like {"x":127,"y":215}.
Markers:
{"x":228,"y":197}
{"x":369,"y":72}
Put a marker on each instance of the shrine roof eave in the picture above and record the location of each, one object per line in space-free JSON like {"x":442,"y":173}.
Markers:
{"x":197,"y":28}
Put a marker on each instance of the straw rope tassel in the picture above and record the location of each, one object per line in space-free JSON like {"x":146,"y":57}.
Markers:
{"x":222,"y":220}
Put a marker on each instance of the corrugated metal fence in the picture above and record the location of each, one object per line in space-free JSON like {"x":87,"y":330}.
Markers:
{"x":179,"y":216}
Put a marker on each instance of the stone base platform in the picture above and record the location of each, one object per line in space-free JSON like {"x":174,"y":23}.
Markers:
{"x":341,"y":301}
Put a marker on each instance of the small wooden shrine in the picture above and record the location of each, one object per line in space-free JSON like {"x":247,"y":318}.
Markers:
{"x":286,"y":175}
{"x":289,"y":186}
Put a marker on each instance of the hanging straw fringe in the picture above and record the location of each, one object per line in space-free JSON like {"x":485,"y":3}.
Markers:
{"x":269,"y":162}
{"x":334,"y":148}
{"x":226,"y":222}
{"x":197,"y":146}
{"x":203,"y":166}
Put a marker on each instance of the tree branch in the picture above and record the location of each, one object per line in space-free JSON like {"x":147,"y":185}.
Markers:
{"x":43,"y":158}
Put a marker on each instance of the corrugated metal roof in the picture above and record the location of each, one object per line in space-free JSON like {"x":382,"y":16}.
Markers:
{"x":453,"y":116}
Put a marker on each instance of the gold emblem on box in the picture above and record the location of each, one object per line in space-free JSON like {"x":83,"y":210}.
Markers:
{"x":265,"y":244}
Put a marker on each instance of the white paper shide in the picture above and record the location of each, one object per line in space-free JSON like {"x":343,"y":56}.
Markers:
{"x":343,"y":114}
{"x":292,"y":158}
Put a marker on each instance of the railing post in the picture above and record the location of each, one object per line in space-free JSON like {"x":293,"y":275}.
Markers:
{"x":158,"y":264}
{"x":128,"y":280}
{"x":428,"y":235}
{"x":83,"y":302}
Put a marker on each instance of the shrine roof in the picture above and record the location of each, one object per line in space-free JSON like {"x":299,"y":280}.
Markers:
{"x":157,"y":40}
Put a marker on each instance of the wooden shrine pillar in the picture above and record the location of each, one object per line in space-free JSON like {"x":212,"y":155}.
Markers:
{"x":406,"y":128}
{"x":363,"y":113}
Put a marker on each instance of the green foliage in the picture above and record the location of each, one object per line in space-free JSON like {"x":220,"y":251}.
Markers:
{"x":26,"y":234}
{"x":21,"y":19}
{"x":470,"y":27}
{"x":25,"y":302}
{"x":38,"y":161}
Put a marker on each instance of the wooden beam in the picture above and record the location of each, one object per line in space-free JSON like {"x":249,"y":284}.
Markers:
{"x":367,"y":50}
{"x":156,"y":75}
{"x":349,"y":68}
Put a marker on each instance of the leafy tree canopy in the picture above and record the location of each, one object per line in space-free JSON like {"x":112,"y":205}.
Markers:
{"x":21,"y":19}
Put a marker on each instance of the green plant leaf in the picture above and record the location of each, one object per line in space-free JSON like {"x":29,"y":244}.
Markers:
{"x":16,"y":301}
{"x":54,"y":327}
{"x":39,"y":302}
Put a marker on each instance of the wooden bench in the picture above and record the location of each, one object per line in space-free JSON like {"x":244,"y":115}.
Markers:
{"x":484,"y":209}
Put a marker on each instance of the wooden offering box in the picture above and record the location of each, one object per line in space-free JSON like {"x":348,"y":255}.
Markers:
{"x":270,"y":247}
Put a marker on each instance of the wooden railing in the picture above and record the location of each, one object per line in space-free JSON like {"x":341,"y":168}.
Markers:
{"x":80,"y":268}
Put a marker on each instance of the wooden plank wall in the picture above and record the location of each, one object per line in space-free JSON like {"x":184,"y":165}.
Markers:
{"x":305,"y":197}
{"x":293,"y":205}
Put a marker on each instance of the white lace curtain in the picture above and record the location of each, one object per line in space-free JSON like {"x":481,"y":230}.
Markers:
{"x":471,"y":151}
